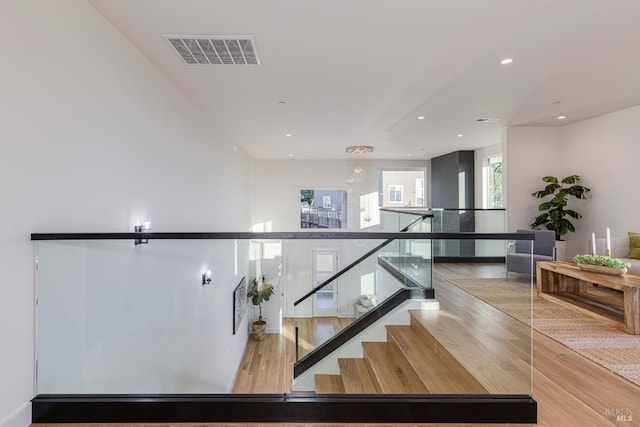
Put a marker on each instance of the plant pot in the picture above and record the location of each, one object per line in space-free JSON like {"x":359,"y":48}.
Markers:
{"x":602,"y":269}
{"x":561,"y":250}
{"x":259,"y":330}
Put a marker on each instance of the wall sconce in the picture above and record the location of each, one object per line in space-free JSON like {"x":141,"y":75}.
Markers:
{"x":206,"y":278}
{"x":145,"y":227}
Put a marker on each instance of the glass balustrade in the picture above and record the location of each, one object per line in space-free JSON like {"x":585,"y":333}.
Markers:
{"x":469,"y":221}
{"x":114,"y":317}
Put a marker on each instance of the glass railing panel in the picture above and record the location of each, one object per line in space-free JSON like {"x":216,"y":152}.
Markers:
{"x":470,"y":221}
{"x":393,"y":220}
{"x":484,"y":323}
{"x":337,"y":304}
{"x":114,"y":317}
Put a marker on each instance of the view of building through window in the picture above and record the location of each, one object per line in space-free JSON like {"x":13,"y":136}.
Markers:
{"x":395,"y":194}
{"x":402,"y":187}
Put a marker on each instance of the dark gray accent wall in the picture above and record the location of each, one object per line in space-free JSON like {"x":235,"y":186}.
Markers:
{"x":446,"y":173}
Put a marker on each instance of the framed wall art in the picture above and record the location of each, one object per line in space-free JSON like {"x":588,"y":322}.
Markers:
{"x":239,"y":304}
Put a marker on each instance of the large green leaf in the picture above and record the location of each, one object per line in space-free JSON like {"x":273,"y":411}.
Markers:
{"x":571,"y":179}
{"x":545,"y":206}
{"x":550,"y":179}
{"x":573,"y":214}
{"x":549,"y":189}
{"x":560,"y":200}
{"x":578,"y":191}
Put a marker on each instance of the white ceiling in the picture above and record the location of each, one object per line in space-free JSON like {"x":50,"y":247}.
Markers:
{"x":360,"y":72}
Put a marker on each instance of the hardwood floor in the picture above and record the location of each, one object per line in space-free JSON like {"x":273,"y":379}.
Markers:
{"x":267,"y":365}
{"x":570,"y":389}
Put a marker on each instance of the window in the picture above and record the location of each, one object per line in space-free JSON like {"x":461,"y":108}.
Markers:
{"x":407,"y":186}
{"x":395,"y":193}
{"x":492,"y":182}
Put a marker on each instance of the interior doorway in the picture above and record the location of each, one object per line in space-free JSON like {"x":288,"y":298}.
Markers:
{"x":325,"y":265}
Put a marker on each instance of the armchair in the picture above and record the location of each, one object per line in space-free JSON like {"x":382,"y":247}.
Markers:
{"x":543,"y":250}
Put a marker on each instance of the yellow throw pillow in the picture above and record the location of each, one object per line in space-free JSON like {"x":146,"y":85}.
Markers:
{"x":634,"y":246}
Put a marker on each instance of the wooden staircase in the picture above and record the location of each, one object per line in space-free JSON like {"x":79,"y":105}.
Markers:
{"x":435,"y":354}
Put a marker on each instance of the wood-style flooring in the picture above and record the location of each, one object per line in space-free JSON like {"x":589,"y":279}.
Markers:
{"x":570,"y":389}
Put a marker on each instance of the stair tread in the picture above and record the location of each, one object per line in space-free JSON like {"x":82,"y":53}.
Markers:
{"x":357,"y":376}
{"x":329,"y":384}
{"x":392,"y":370}
{"x":501,"y":365}
{"x":437,"y":370}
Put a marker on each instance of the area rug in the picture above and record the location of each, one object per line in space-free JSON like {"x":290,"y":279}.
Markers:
{"x":598,"y":339}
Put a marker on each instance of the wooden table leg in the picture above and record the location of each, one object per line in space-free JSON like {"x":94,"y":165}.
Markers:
{"x":632,"y":310}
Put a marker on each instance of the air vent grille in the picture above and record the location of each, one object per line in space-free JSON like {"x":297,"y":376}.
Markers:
{"x":214,"y":50}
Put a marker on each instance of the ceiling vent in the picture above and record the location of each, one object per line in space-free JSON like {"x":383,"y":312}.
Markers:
{"x":488,"y":120}
{"x":359,"y":149}
{"x":209,"y":50}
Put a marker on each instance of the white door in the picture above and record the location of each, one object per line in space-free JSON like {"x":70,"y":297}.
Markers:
{"x":325,"y":265}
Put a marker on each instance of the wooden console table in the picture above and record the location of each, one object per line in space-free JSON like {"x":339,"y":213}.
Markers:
{"x":568,"y":282}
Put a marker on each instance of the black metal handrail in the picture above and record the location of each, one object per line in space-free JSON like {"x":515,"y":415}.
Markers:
{"x":356,"y":262}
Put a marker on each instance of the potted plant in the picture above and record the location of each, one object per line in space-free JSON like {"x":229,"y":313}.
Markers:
{"x":555,"y":212}
{"x":259,"y":292}
{"x":602,"y":264}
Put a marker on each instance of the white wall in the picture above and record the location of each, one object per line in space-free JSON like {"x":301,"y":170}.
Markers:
{"x":92,"y":138}
{"x":278,"y":184}
{"x":604,"y":151}
{"x":119,"y":318}
{"x":531,"y":153}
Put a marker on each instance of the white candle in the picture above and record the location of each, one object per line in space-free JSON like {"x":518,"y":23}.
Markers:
{"x":608,"y":242}
{"x":593,"y":243}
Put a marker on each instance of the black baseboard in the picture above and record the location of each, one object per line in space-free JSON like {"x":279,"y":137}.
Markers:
{"x":469,"y":259}
{"x":284,"y":408}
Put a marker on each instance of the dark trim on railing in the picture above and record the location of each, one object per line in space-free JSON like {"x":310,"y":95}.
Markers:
{"x":419,"y":210}
{"x":358,"y":326}
{"x":468,"y":259}
{"x":392,"y":269}
{"x":409,"y":211}
{"x":293,"y":235}
{"x":467,"y":209}
{"x":284,"y":408}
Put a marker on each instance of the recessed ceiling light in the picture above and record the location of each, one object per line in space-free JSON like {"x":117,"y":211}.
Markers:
{"x":460,"y":135}
{"x":290,"y":154}
{"x":288,"y":135}
{"x":420,"y":117}
{"x":506,"y":61}
{"x":281,"y":103}
{"x":409,"y":155}
{"x":556,"y":102}
{"x":562,"y":117}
